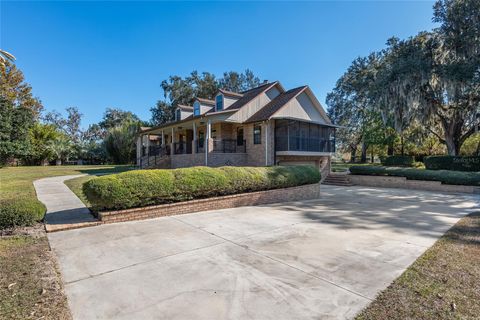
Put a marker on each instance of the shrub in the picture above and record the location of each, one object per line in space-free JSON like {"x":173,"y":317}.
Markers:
{"x":20,"y":212}
{"x":453,"y":163}
{"x":399,"y":161}
{"x":148,"y":187}
{"x":444,"y":176}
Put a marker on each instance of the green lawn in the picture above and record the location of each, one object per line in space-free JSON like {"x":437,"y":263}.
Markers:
{"x":30,"y":283}
{"x":16,"y":182}
{"x":444,"y":283}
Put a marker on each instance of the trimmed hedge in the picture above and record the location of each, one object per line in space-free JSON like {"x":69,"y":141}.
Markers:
{"x":444,"y":176}
{"x":141,"y":188}
{"x":453,"y":163}
{"x":399,"y":161}
{"x":20,"y":212}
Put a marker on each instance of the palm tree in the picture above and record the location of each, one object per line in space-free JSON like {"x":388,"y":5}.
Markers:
{"x":61,"y":147}
{"x":6,"y":56}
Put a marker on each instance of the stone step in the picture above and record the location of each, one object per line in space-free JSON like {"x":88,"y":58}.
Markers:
{"x":338,"y":180}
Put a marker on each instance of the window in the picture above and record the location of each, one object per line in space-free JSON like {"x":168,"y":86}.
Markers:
{"x":239,"y":136}
{"x":257,"y":134}
{"x":219,"y":103}
{"x":178,"y":115}
{"x":196,"y":108}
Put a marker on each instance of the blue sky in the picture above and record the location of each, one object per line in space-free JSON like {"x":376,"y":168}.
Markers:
{"x":95,"y":55}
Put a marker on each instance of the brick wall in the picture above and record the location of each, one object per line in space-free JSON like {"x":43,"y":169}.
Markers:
{"x":256,"y":152}
{"x":187,"y":160}
{"x":306,"y":192}
{"x":402,"y":182}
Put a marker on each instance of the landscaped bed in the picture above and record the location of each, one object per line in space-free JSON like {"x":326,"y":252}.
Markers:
{"x":153,"y":187}
{"x":444,"y":176}
{"x":444,"y":283}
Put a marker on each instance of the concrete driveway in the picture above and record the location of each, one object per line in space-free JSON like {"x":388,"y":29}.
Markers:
{"x":320,"y":259}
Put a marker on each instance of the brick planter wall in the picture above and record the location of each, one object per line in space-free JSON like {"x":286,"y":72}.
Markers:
{"x":306,"y":192}
{"x":402,"y":182}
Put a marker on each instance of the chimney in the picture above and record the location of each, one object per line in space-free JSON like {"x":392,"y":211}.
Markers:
{"x":265,"y":81}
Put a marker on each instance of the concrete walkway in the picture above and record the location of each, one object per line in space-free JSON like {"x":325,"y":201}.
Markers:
{"x":318,"y":259}
{"x":64,"y":209}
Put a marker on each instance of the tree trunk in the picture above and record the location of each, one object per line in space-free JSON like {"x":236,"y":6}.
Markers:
{"x":363,"y":159}
{"x":58,"y":162}
{"x":353,"y":154}
{"x":373,"y":156}
{"x":402,"y":149}
{"x":390,"y":149}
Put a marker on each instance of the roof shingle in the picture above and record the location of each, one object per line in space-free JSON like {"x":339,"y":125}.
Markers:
{"x":249,"y":95}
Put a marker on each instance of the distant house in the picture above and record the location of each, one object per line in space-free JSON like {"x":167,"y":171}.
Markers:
{"x":263,"y":126}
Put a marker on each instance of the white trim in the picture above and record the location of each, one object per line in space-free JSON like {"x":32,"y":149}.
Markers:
{"x":302,"y":153}
{"x":207,"y":140}
{"x":308,"y":121}
{"x":266,"y":143}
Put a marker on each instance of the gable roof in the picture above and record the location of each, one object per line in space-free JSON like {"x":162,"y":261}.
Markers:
{"x":230,"y":93}
{"x":206,"y":101}
{"x":249,"y":95}
{"x":276,"y":104}
{"x":185,"y":108}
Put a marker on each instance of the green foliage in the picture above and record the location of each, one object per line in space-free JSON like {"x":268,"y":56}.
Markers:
{"x":115,"y":118}
{"x":178,"y":90}
{"x":120,"y":143}
{"x":471,"y":146}
{"x":452,"y":163}
{"x":444,"y":176}
{"x":148,"y":187}
{"x":20,"y":212}
{"x":41,"y":137}
{"x":399,"y":161}
{"x":429,"y":82}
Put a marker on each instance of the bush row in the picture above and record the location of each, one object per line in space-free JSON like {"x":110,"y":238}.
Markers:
{"x":452,"y":163}
{"x":20,"y":212}
{"x":400,"y":161}
{"x":149,"y":187}
{"x":444,"y":176}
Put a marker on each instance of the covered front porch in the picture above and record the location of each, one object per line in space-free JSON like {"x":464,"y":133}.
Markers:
{"x":190,"y":143}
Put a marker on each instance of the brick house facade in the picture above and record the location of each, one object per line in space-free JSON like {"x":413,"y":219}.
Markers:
{"x":264,"y":126}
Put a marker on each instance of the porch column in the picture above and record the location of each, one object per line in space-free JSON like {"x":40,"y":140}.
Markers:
{"x":147,"y":145}
{"x":207,"y":140}
{"x":266,"y":143}
{"x":172,"y":145}
{"x":194,"y":142}
{"x":139,"y":150}
{"x":163,"y":139}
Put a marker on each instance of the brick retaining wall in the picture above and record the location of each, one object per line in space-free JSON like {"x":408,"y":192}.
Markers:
{"x":306,"y":192}
{"x":402,"y":182}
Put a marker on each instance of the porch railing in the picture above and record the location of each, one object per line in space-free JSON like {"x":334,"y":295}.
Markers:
{"x":229,"y":146}
{"x":182,"y":147}
{"x":157,"y":151}
{"x":309,"y":144}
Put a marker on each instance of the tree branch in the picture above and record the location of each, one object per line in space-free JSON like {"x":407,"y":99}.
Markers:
{"x":437,"y":135}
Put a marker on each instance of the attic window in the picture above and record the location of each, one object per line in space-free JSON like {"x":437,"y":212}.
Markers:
{"x":219,"y":103}
{"x":196,"y":108}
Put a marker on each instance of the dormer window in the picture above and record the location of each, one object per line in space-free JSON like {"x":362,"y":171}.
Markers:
{"x":196,"y":108}
{"x":219,"y":103}
{"x":178,"y":115}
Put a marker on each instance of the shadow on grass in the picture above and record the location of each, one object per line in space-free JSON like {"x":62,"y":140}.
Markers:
{"x":105,"y":171}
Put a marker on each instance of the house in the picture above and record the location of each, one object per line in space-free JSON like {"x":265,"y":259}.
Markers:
{"x":263,"y":126}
